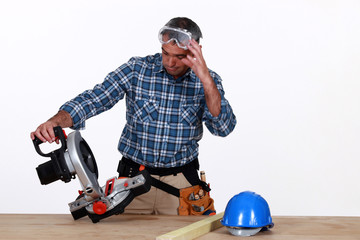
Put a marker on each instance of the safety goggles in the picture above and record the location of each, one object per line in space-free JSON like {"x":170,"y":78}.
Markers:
{"x":180,"y":36}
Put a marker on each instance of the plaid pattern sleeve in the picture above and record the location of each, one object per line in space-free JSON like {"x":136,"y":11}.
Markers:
{"x":101,"y":98}
{"x":164,"y":116}
{"x":223,"y":124}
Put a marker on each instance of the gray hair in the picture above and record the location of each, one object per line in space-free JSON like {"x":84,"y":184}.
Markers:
{"x":187,"y":24}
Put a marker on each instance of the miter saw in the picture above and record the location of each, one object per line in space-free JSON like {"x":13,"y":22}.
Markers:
{"x":75,"y":157}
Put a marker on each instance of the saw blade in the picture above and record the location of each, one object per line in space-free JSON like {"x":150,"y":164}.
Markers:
{"x":88,"y":157}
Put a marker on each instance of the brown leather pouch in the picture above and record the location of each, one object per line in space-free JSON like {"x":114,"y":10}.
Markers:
{"x":202,"y":206}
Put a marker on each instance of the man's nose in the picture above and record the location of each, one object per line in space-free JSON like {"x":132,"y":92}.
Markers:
{"x":172,"y":61}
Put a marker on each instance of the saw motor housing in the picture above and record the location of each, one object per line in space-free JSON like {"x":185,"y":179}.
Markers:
{"x":75,"y":158}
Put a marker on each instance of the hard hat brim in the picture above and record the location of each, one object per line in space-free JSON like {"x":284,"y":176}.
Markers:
{"x":244,"y":232}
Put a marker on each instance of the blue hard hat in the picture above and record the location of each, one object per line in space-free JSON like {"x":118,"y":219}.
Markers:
{"x":247,"y":210}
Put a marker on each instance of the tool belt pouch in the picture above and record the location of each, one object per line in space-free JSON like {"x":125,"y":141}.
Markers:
{"x":202,"y":206}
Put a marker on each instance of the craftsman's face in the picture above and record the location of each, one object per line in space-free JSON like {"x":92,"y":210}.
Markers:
{"x":172,"y":55}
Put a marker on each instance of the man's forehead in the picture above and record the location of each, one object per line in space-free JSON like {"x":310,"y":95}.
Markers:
{"x":173,"y":49}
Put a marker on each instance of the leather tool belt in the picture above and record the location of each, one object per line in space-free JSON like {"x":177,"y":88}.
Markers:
{"x":188,"y":204}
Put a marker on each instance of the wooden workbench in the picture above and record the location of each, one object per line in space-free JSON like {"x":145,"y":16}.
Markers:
{"x":62,"y":226}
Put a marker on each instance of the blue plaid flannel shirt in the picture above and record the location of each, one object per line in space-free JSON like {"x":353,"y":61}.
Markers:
{"x":163,"y":116}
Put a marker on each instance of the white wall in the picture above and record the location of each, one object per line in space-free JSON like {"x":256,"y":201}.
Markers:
{"x":290,"y":70}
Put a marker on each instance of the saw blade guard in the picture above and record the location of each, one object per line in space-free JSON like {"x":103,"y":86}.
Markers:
{"x":80,"y":160}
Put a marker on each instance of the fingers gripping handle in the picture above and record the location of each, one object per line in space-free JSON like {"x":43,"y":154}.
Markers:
{"x":59,"y":134}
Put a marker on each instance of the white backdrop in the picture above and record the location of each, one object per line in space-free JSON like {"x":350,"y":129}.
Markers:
{"x":290,"y":70}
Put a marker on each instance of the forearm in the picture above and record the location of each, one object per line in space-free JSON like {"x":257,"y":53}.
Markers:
{"x":62,"y":119}
{"x":212,"y":96}
{"x":197,"y":63}
{"x":223,"y":123}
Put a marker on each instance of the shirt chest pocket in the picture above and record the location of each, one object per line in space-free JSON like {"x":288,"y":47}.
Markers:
{"x":146,"y":108}
{"x":191,"y":112}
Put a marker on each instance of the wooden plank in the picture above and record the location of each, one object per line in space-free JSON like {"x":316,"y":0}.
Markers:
{"x":194,"y":230}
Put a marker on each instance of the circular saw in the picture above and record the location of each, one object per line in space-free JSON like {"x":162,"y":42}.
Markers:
{"x":75,"y":158}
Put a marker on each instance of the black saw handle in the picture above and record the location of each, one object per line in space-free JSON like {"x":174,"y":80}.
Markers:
{"x":59,"y":133}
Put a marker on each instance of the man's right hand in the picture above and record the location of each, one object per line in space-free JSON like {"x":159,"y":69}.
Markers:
{"x":45,"y":132}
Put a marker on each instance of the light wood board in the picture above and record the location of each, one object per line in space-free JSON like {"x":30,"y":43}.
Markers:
{"x":195,"y":229}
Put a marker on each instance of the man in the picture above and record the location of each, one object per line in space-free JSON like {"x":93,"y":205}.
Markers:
{"x":168,"y":96}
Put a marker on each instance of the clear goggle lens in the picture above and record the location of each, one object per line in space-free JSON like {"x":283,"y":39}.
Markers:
{"x":180,"y":36}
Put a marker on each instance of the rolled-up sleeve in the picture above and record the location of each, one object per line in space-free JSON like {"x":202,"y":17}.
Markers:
{"x":223,"y":124}
{"x":101,"y":98}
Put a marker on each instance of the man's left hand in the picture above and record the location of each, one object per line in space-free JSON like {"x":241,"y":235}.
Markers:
{"x":196,"y":61}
